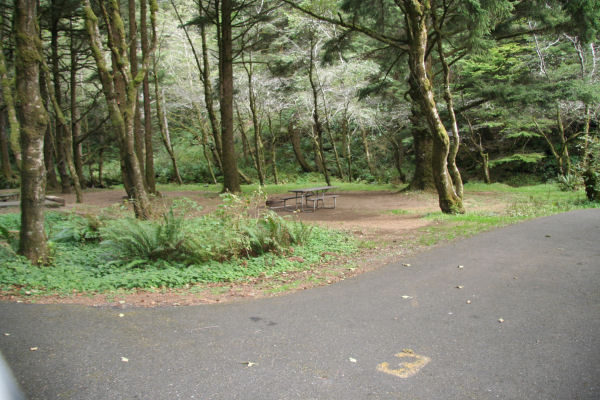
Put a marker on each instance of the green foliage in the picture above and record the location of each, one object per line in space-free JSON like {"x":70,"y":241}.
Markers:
{"x":568,"y":182}
{"x":530,"y":158}
{"x":591,"y":179}
{"x":134,"y":240}
{"x":168,"y":252}
{"x":77,"y":228}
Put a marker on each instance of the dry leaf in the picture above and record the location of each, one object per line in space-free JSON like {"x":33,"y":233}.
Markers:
{"x":124,"y":359}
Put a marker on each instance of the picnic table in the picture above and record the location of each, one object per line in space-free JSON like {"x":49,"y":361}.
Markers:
{"x":302,"y":197}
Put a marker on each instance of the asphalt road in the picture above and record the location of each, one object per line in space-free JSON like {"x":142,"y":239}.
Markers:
{"x":427,"y":331}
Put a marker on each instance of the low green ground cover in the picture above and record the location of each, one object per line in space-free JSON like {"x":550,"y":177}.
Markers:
{"x":97,"y":254}
{"x":524,"y":202}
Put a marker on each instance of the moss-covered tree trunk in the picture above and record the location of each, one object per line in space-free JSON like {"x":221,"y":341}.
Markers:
{"x":33,"y":120}
{"x":145,"y":43}
{"x":75,"y":122}
{"x":59,"y":129}
{"x":422,"y":147}
{"x":120,"y":91}
{"x":138,"y":132}
{"x":422,"y":93}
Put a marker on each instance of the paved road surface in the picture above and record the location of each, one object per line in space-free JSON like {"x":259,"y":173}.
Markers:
{"x":359,"y":339}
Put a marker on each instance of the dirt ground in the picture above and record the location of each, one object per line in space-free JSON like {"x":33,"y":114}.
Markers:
{"x":384,"y":219}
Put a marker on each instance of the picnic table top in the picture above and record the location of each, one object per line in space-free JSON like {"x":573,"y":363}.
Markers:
{"x":313,"y":189}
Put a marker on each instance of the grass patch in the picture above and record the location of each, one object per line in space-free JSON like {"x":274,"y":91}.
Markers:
{"x":523,"y":203}
{"x":398,"y":211}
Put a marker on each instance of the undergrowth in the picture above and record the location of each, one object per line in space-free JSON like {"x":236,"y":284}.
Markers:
{"x":100,"y":253}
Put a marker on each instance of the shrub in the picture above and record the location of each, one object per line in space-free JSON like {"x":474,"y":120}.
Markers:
{"x":237,"y":229}
{"x":568,"y":182}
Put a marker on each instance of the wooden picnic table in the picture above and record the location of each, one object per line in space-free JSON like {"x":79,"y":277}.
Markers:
{"x":313,"y":194}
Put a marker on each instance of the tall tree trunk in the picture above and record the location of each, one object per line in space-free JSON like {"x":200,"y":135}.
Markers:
{"x":150,"y":179}
{"x":365,"y":142}
{"x":230,"y":170}
{"x":33,"y":120}
{"x":258,"y":145}
{"x":294,"y":135}
{"x":247,"y":149}
{"x":273,"y":152}
{"x":133,"y":62}
{"x":9,"y":101}
{"x":59,"y":130}
{"x":329,"y":131}
{"x":346,"y":143}
{"x":422,"y":93}
{"x":316,"y":120}
{"x":455,"y":139}
{"x":75,"y":123}
{"x":163,"y":123}
{"x":203,"y":140}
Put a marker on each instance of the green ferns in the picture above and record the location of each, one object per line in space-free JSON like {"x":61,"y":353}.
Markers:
{"x":228,"y":234}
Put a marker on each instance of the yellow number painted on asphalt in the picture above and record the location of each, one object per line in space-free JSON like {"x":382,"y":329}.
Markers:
{"x":407,"y":369}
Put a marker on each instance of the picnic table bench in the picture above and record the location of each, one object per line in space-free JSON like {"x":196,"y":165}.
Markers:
{"x":302,"y":197}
